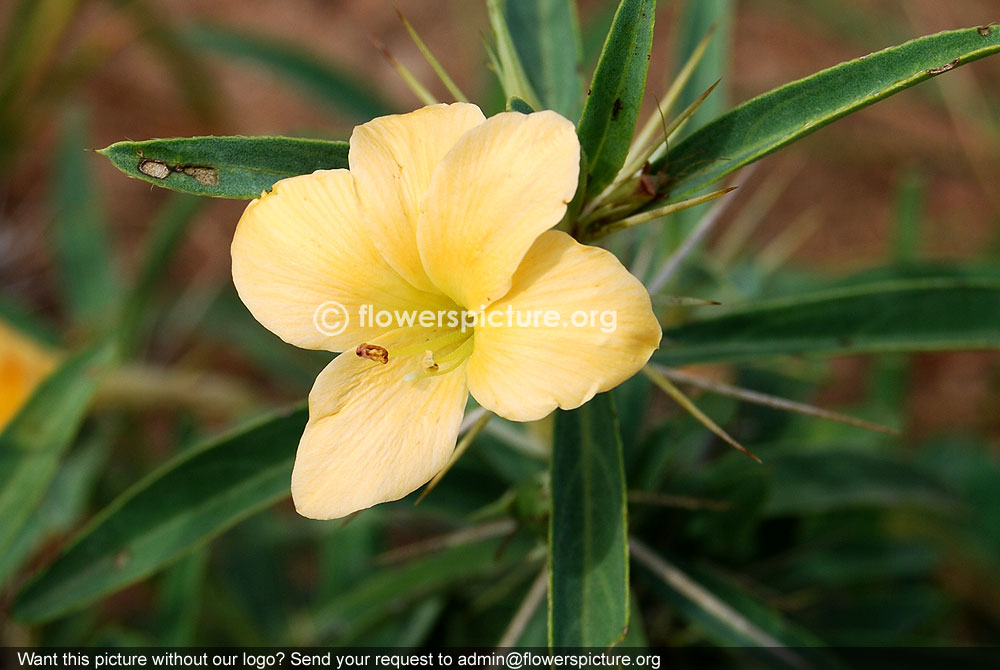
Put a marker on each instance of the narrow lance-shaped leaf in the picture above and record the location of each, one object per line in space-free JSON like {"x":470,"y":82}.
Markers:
{"x":615,"y":96}
{"x":777,"y":118}
{"x":187,"y":502}
{"x":85,"y":256}
{"x":325,"y":81}
{"x":224,"y":167}
{"x":588,"y":542}
{"x":65,"y":502}
{"x":698,"y":18}
{"x":166,"y":235}
{"x":506,"y":59}
{"x":34,"y":441}
{"x":547,"y":37}
{"x":904,"y":315}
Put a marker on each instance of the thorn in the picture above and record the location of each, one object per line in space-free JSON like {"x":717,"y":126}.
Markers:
{"x":411,"y":81}
{"x":439,"y":70}
{"x":775,"y":402}
{"x":658,"y":212}
{"x":675,"y":393}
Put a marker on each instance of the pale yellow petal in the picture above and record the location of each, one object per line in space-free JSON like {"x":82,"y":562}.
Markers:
{"x":372,"y":435}
{"x":503,"y":184}
{"x":602,"y":331}
{"x":392,"y":159}
{"x":302,"y":257}
{"x":23,"y":365}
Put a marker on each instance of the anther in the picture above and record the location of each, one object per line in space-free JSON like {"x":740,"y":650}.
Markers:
{"x":373,"y":352}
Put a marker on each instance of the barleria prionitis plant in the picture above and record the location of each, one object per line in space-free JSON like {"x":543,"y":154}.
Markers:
{"x":548,"y":507}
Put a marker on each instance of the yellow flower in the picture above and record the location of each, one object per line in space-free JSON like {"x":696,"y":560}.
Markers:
{"x":23,"y":365}
{"x":442,"y":211}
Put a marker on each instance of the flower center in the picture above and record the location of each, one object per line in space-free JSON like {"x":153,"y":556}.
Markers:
{"x":433,"y":364}
{"x":438,"y":355}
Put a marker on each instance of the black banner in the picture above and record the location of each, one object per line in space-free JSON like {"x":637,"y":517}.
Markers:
{"x":388,"y":658}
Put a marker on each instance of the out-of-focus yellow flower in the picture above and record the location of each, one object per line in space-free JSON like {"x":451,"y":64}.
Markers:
{"x":442,"y":211}
{"x":23,"y":365}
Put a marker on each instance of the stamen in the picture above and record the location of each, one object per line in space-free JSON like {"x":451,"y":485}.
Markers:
{"x":458,"y":355}
{"x":373,"y":352}
{"x":428,"y":363}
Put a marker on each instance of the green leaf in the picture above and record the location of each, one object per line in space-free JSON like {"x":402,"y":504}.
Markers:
{"x":323,"y":80}
{"x":777,"y":118}
{"x":835,"y":480}
{"x":391,"y":590}
{"x":180,"y":602}
{"x":972,"y":469}
{"x":588,"y":543}
{"x":728,"y":614}
{"x":546,"y":35}
{"x":698,"y":17}
{"x":909,"y":216}
{"x":224,"y":167}
{"x":516,"y":104}
{"x":506,"y":61}
{"x":85,"y":256}
{"x":65,"y":502}
{"x":861,"y":559}
{"x":28,"y":321}
{"x":167,"y":234}
{"x":348,"y":553}
{"x":615,"y":96}
{"x":187,"y":502}
{"x":33,"y":443}
{"x":905,"y":315}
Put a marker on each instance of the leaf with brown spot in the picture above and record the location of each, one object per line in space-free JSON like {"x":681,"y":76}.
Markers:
{"x":224,"y":167}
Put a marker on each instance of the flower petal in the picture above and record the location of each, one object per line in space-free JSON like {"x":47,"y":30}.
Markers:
{"x":305,"y":246}
{"x":523,"y":372}
{"x":503,"y":184}
{"x":23,"y":365}
{"x":392,"y":159}
{"x":372,"y":436}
